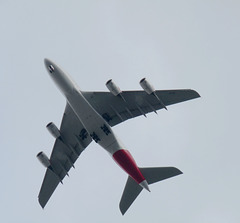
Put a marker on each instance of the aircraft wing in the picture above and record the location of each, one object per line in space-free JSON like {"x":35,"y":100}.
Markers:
{"x":117,"y":109}
{"x":65,"y":152}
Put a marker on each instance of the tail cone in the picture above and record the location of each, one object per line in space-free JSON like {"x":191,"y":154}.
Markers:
{"x":144,"y":185}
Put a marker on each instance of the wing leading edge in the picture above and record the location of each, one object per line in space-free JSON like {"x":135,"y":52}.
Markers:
{"x":116,"y":110}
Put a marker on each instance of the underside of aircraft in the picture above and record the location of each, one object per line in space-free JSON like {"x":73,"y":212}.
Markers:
{"x":90,"y":116}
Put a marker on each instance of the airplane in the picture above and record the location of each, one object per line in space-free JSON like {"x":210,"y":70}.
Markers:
{"x":90,"y":116}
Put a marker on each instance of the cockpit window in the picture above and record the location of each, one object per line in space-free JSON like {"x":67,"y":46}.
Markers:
{"x":51,"y":69}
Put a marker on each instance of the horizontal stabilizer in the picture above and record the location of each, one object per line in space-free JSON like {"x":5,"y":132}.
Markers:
{"x":130,"y":193}
{"x":152,"y":175}
{"x":155,"y":174}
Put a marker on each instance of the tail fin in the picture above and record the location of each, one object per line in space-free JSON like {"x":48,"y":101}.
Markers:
{"x":152,"y":175}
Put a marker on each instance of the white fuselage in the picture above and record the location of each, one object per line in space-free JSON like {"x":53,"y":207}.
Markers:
{"x":95,"y":125}
{"x":91,"y":120}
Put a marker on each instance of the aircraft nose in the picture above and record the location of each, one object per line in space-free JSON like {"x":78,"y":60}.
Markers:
{"x":47,"y":62}
{"x":49,"y":65}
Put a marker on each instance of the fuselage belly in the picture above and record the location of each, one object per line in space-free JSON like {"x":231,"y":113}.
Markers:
{"x":94,"y":123}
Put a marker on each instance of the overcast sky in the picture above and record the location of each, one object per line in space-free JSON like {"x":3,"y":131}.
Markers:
{"x":175,"y":44}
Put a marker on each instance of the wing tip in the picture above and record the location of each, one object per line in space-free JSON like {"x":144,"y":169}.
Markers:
{"x":123,"y":211}
{"x":177,"y":171}
{"x":196,"y":94}
{"x":42,"y":203}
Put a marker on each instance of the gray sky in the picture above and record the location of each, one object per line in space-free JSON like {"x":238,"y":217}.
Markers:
{"x":175,"y":44}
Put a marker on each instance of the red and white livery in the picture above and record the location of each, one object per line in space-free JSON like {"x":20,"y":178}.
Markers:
{"x":90,"y":116}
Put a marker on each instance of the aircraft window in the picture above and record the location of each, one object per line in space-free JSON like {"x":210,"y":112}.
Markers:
{"x":51,"y":68}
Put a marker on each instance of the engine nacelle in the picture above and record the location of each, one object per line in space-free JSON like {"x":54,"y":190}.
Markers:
{"x":113,"y":88}
{"x":52,"y":128}
{"x":146,"y":86}
{"x":44,"y":160}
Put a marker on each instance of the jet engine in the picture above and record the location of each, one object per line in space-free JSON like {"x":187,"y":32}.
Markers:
{"x":44,"y":160}
{"x":113,"y":88}
{"x":147,"y":87}
{"x":52,"y":128}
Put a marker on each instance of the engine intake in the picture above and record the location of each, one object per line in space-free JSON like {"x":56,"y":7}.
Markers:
{"x":113,"y":88}
{"x":44,"y":160}
{"x":52,"y":128}
{"x":147,"y":87}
